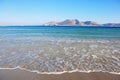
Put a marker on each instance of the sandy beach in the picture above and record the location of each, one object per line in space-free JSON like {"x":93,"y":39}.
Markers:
{"x":17,"y":74}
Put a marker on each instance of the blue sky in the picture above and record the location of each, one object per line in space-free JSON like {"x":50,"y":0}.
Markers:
{"x":23,"y":12}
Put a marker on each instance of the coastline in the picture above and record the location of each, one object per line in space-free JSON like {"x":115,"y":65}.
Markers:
{"x":28,"y":54}
{"x":60,"y":72}
{"x":22,"y":74}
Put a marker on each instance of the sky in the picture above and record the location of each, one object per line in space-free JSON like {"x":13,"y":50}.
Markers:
{"x":36,"y":12}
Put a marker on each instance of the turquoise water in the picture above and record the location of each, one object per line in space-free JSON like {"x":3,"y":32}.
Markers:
{"x":57,"y":49}
{"x":64,"y":32}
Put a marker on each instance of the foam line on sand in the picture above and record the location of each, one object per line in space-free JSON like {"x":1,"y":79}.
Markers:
{"x":36,"y":71}
{"x":24,"y":74}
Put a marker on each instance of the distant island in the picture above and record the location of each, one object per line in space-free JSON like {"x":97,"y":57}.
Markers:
{"x":75,"y":22}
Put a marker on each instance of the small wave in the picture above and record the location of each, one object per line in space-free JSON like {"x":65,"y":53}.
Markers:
{"x":38,"y":72}
{"x":60,"y":54}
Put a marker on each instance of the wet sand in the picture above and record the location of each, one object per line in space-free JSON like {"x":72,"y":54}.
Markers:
{"x":18,"y":74}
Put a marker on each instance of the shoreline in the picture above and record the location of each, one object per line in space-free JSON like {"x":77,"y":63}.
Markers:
{"x":20,"y":74}
{"x":62,"y":72}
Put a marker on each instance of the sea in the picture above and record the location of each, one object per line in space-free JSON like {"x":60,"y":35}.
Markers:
{"x":60,"y":48}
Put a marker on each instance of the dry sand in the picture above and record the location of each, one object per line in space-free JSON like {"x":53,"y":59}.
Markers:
{"x":18,"y":74}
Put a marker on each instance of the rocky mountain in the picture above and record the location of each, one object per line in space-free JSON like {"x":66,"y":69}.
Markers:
{"x":75,"y":22}
{"x":69,"y":22}
{"x":91,"y":23}
{"x":112,"y":24}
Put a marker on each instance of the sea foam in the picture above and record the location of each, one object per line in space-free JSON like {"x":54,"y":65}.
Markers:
{"x":59,"y":55}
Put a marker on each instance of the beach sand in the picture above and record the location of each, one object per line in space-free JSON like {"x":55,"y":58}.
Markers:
{"x":17,"y":74}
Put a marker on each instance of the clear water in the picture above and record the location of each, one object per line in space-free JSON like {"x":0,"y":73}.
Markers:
{"x":56,"y":49}
{"x":66,"y":32}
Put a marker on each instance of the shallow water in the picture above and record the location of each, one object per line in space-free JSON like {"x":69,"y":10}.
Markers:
{"x":57,"y":54}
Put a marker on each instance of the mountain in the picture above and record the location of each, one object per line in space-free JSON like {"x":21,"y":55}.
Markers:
{"x":112,"y":24}
{"x":91,"y":23}
{"x":69,"y":22}
{"x":75,"y":22}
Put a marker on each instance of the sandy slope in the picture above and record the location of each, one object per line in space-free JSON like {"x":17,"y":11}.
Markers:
{"x":18,"y":74}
